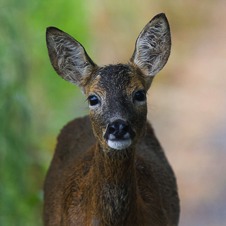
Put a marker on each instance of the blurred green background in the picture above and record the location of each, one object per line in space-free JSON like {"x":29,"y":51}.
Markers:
{"x":35,"y":103}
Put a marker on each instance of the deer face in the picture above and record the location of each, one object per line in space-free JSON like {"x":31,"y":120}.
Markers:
{"x":117,"y":102}
{"x":116,"y":93}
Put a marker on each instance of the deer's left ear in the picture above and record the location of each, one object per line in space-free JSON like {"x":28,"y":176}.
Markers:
{"x":153,"y":46}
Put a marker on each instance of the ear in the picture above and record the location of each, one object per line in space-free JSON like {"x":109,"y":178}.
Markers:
{"x":68,"y":57}
{"x":152,"y":47}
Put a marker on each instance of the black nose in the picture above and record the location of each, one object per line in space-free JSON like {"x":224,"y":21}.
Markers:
{"x":117,"y":130}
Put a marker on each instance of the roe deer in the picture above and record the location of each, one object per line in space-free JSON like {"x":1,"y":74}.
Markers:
{"x":109,"y":168}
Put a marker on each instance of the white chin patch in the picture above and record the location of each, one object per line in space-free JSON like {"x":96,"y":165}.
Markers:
{"x":119,"y":145}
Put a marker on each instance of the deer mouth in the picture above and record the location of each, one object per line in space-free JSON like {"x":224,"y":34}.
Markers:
{"x":119,"y":144}
{"x":119,"y":135}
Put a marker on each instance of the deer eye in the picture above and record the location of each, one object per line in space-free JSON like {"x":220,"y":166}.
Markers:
{"x":93,"y":100}
{"x":139,"y":96}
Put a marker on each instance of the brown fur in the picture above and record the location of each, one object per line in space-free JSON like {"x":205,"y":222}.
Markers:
{"x":73,"y":182}
{"x":94,"y":182}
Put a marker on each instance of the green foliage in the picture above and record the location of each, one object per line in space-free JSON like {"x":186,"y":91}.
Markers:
{"x":34,"y":104}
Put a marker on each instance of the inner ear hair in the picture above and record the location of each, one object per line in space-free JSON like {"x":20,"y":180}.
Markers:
{"x":68,"y":56}
{"x":153,"y":46}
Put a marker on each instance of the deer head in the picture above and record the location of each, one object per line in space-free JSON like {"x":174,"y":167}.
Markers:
{"x":116,"y":93}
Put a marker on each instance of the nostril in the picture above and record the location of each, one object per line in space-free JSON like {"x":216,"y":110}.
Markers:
{"x":111,"y":129}
{"x":124,"y":128}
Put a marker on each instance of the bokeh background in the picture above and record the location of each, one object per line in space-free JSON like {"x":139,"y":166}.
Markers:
{"x":187,"y":101}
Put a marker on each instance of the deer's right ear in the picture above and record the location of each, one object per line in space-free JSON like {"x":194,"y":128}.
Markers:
{"x":68,"y":57}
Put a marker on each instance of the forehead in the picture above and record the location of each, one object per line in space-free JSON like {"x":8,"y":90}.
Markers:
{"x":116,"y":78}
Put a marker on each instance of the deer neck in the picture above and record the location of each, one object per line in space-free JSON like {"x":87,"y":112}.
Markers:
{"x":115,"y":185}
